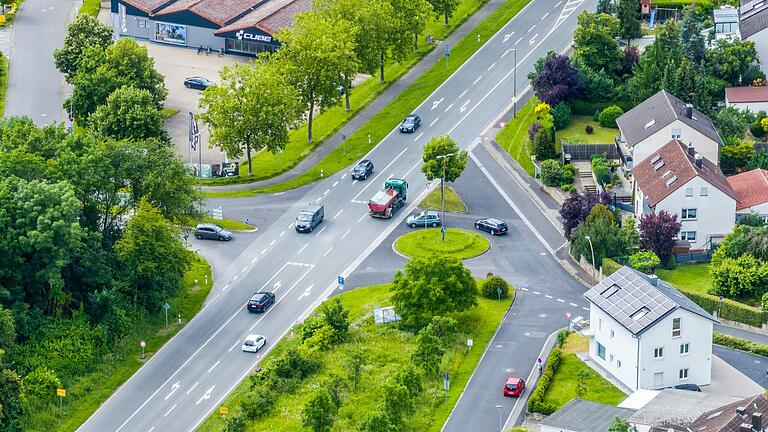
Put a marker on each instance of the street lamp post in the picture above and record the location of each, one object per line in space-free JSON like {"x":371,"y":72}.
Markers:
{"x":501,"y":426}
{"x":592,"y":250}
{"x":442,"y":186}
{"x":514,"y":85}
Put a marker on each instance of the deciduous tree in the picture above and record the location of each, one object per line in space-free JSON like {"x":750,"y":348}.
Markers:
{"x":731,"y":60}
{"x":557,"y":81}
{"x":446,"y":8}
{"x":319,"y":412}
{"x":658,"y":232}
{"x":85,"y":31}
{"x":433,"y":167}
{"x":129,"y":113}
{"x":428,"y":352}
{"x":576,"y":208}
{"x":595,"y":43}
{"x":628,"y":12}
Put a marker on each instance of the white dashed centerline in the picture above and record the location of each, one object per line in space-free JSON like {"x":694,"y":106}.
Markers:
{"x":169,"y":411}
{"x":272,"y":243}
{"x":327,"y":252}
{"x":478,"y":79}
{"x":282,"y":233}
{"x":234,"y":346}
{"x":335,"y":183}
{"x":435,"y":120}
{"x":419,"y":136}
{"x":491,"y":66}
{"x":321,"y":231}
{"x":448,"y":108}
{"x":326,"y":192}
{"x":365,"y":215}
{"x":548,"y":296}
{"x":302,"y":249}
{"x":573,"y":304}
{"x":254,"y":260}
{"x":195,"y":385}
{"x":263,"y":251}
{"x":345,"y":234}
{"x":518,"y":41}
{"x":545,"y":15}
{"x":337,"y":214}
{"x":462,"y":94}
{"x":214,"y":365}
{"x":536,"y":292}
{"x":561,"y":300}
{"x":244,"y":269}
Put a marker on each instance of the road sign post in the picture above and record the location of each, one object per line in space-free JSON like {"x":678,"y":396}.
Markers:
{"x":166,"y":306}
{"x":223,"y":410}
{"x":341,"y":282}
{"x":446,"y":382}
{"x":61,"y":393}
{"x":143,"y":344}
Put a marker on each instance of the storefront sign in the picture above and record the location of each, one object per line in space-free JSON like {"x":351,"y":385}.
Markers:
{"x":243,"y":35}
{"x":171,"y":33}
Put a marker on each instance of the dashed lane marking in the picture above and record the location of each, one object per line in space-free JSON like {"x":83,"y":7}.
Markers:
{"x":435,"y":120}
{"x":234,"y":346}
{"x":478,"y":79}
{"x":337,"y":214}
{"x":345,"y":234}
{"x":449,"y":106}
{"x":169,"y":411}
{"x":214,"y":365}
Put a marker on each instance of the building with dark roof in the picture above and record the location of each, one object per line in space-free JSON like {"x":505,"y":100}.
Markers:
{"x":746,"y":415}
{"x":646,"y":334}
{"x":678,"y":179}
{"x":580,"y":415}
{"x":233,"y":26}
{"x":753,"y":26}
{"x":660,"y":118}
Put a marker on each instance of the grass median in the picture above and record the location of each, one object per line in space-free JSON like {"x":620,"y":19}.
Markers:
{"x":513,"y":137}
{"x":228,"y":224}
{"x":357,"y":145}
{"x":433,"y":201}
{"x":386,"y":348}
{"x":426,"y":242}
{"x":87,"y":392}
{"x":3,"y":82}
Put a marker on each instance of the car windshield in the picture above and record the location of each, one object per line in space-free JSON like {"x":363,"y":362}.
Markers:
{"x":305,"y":217}
{"x":502,"y":225}
{"x":249,"y":343}
{"x":511,"y":387}
{"x":409,"y":120}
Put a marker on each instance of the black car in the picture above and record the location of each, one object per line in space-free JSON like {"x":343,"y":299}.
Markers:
{"x":362,"y":170}
{"x":689,"y":387}
{"x":493,"y":226}
{"x":260,"y":301}
{"x":410,"y":124}
{"x":212,"y":232}
{"x":197,"y":82}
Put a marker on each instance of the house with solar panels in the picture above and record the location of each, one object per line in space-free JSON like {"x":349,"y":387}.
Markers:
{"x":646,"y":334}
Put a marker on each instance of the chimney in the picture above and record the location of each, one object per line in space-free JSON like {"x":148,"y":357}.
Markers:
{"x":688,"y":111}
{"x":691,"y":150}
{"x":742,"y":411}
{"x":745,"y":427}
{"x":757,"y":422}
{"x":653,"y":280}
{"x":698,"y":160}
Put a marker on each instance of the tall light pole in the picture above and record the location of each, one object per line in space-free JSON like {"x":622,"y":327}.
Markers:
{"x":442,"y":186}
{"x":501,"y":426}
{"x":514,"y":85}
{"x":592,"y":250}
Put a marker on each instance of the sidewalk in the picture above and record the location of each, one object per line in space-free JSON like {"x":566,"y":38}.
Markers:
{"x":742,"y":333}
{"x":394,"y":90}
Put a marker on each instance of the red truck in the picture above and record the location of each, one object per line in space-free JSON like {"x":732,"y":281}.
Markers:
{"x":388,"y":201}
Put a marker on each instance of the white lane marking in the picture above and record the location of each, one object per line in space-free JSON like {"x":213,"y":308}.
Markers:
{"x":272,"y":243}
{"x":558,"y":4}
{"x":337,"y":214}
{"x":545,"y":15}
{"x":463,"y":107}
{"x":365,"y":215}
{"x":533,"y":39}
{"x":278,"y":194}
{"x":462,"y":94}
{"x":547,"y":296}
{"x":278,"y":284}
{"x":524,"y":289}
{"x":518,"y":41}
{"x":573,"y":304}
{"x":169,"y":411}
{"x":491,"y":66}
{"x":225,"y":287}
{"x":302,"y":249}
{"x":321,"y":231}
{"x":214,"y":365}
{"x":448,"y":108}
{"x":342,"y":177}
{"x":151,"y":429}
{"x":328,"y":251}
{"x":195,"y":385}
{"x":345,"y":234}
{"x":418,"y":136}
{"x":207,"y":395}
{"x":380,"y":173}
{"x":335,"y":183}
{"x":263,"y":251}
{"x":412,"y":168}
{"x":282,"y":233}
{"x":175,"y":387}
{"x":561,"y":300}
{"x":234,"y":346}
{"x":586,"y":309}
{"x":326,"y":192}
{"x":435,"y":120}
{"x":290,"y":225}
{"x":505,"y":53}
{"x":477,"y":79}
{"x":306,"y":292}
{"x":436,"y":103}
{"x":235,"y":278}
{"x":244,"y":269}
{"x":508,"y":35}
{"x":531,"y":29}
{"x":536,"y":292}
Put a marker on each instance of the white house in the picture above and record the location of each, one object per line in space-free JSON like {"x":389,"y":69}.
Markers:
{"x":751,"y":190}
{"x":753,"y":26}
{"x":646,"y":334}
{"x":726,"y":19}
{"x":660,"y":118}
{"x":676,"y":178}
{"x":754,"y":99}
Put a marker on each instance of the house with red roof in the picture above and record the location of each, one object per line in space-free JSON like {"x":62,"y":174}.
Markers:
{"x":751,"y":190}
{"x":754,"y":99}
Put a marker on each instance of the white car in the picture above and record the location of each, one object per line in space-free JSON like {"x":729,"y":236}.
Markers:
{"x":253,"y":343}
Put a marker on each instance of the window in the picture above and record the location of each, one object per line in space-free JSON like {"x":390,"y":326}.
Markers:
{"x":599,"y":324}
{"x":612,"y":334}
{"x":684,"y":348}
{"x":689,"y":192}
{"x":618,"y":364}
{"x":688,"y":214}
{"x":677,"y":133}
{"x":683,"y":374}
{"x":600,"y":351}
{"x":688,"y":235}
{"x":676,"y":324}
{"x":611,"y":357}
{"x":704,"y":191}
{"x":658,"y":352}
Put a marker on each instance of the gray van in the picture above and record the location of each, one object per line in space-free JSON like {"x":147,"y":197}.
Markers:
{"x":309,"y":218}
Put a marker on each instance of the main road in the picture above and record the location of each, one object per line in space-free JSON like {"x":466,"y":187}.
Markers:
{"x":187,"y":379}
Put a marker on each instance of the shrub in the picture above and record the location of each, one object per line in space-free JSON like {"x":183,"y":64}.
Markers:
{"x":533,"y":129}
{"x":757,"y":130}
{"x":536,"y":402}
{"x":561,"y":114}
{"x":609,"y":115}
{"x":728,"y":309}
{"x":492,"y":285}
{"x":740,"y":344}
{"x":670,"y":263}
{"x":258,"y":403}
{"x":645,"y":261}
{"x":764,"y":301}
{"x":544,"y":143}
{"x":600,"y":169}
{"x":562,"y":335}
{"x":610,"y":266}
{"x":589,"y":129}
{"x":569,"y":173}
{"x":39,"y":386}
{"x":551,"y":172}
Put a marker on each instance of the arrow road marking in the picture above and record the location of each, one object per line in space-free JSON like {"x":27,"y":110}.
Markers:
{"x":277,"y":285}
{"x":436,"y":103}
{"x":173,"y":389}
{"x":207,"y":395}
{"x":463,"y":107}
{"x":306,"y":292}
{"x":507,"y":36}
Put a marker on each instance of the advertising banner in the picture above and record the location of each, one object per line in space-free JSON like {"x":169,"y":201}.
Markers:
{"x":171,"y":33}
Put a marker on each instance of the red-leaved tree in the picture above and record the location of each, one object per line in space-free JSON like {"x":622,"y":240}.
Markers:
{"x":576,"y":208}
{"x":658,"y":232}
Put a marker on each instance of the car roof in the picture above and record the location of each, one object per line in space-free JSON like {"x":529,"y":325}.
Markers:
{"x":364,"y":161}
{"x":311,"y":208}
{"x":260,"y":294}
{"x":431,"y":212}
{"x":494,"y":221}
{"x":208,"y":225}
{"x":410,"y":116}
{"x":253,"y":337}
{"x":513,"y":380}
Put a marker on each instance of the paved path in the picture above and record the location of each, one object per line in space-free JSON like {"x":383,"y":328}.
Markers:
{"x":35,"y":86}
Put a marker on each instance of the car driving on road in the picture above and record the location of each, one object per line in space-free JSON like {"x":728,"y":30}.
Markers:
{"x":212,"y":232}
{"x":198,"y":83}
{"x":410,"y":123}
{"x":492,"y":225}
{"x":260,"y":301}
{"x":362,"y":170}
{"x":253,"y":343}
{"x":423,"y":219}
{"x":514,"y":387}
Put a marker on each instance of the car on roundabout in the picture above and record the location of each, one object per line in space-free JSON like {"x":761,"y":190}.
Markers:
{"x":428,"y":218}
{"x":492,"y":225}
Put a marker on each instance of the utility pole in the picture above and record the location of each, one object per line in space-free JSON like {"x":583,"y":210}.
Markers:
{"x":442,"y":187}
{"x":514,"y":85}
{"x":591,"y":249}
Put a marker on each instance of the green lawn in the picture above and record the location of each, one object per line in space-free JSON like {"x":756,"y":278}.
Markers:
{"x":575,"y":133}
{"x":382,"y":123}
{"x":228,"y":224}
{"x":90,"y":7}
{"x":563,"y":386}
{"x":386,"y":348}
{"x":426,"y":242}
{"x":169,"y":112}
{"x":452,"y":201}
{"x":690,"y":277}
{"x":89,"y":391}
{"x":514,"y":136}
{"x":3,"y":82}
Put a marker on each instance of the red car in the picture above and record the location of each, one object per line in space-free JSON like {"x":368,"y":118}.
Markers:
{"x":514,"y":387}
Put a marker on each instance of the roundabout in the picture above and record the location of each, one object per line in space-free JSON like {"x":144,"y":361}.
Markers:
{"x":428,"y":242}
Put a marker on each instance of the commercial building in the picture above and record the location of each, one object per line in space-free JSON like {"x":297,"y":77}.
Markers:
{"x":246,"y":27}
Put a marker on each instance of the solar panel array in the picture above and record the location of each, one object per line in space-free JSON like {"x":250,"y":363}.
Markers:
{"x":624,"y":293}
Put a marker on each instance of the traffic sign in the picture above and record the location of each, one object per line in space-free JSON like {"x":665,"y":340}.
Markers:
{"x":341,"y":280}
{"x":166,"y":306}
{"x":223,"y":410}
{"x":447,"y":50}
{"x":61,"y":392}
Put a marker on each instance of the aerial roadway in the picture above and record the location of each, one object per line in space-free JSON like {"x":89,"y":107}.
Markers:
{"x":184,"y":382}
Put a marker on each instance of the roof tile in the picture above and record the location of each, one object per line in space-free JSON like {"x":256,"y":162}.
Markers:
{"x":751,"y":188}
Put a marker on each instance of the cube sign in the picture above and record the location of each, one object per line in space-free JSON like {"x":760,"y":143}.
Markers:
{"x":61,"y":392}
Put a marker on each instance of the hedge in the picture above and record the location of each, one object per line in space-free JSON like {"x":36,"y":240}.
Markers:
{"x":610,"y":266}
{"x":536,"y":402}
{"x":730,"y":310}
{"x":588,"y":108}
{"x":740,"y":344}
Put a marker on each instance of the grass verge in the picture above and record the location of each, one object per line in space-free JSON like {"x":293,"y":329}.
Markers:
{"x":513,"y":137}
{"x":356,"y":146}
{"x":385,"y":347}
{"x":169,"y":112}
{"x":89,"y":391}
{"x":565,"y":381}
{"x":425,"y":242}
{"x":228,"y":224}
{"x":3,"y":82}
{"x":575,"y":132}
{"x":696,"y":278}
{"x":90,"y":7}
{"x":452,"y":201}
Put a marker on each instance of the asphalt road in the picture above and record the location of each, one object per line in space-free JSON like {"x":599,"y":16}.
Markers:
{"x":188,"y":378}
{"x":35,"y":86}
{"x":753,"y":366}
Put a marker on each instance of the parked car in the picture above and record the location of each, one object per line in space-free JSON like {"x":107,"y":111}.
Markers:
{"x":260,"y":301}
{"x":253,"y":343}
{"x":362,"y":170}
{"x":212,"y":232}
{"x":689,"y":387}
{"x":410,"y":123}
{"x":492,"y":225}
{"x":309,"y":217}
{"x":514,"y":387}
{"x":198,"y":83}
{"x":423,"y":219}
